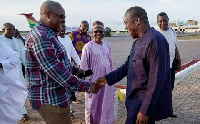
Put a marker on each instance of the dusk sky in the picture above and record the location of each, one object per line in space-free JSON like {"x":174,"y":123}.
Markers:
{"x":110,"y":12}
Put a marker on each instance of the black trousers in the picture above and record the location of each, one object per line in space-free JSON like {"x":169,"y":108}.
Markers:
{"x":73,"y":96}
{"x":173,"y":74}
{"x":23,"y":70}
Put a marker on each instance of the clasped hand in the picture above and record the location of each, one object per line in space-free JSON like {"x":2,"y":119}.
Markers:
{"x":96,"y":86}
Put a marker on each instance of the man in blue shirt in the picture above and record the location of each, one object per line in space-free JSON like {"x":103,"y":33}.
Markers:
{"x":148,"y":93}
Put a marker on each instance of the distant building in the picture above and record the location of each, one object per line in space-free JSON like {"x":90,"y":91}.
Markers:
{"x":192,"y":22}
{"x":190,"y":26}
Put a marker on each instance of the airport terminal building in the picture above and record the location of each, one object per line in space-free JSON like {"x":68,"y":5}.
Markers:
{"x":190,"y":26}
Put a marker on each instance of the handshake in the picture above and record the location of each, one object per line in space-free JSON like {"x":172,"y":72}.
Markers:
{"x":96,"y":86}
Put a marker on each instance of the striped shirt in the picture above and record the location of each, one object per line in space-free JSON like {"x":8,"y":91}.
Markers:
{"x":48,"y":69}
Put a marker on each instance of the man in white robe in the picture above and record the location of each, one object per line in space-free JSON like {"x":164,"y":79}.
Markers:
{"x":67,"y":43}
{"x":13,"y":93}
{"x":8,"y":39}
{"x":71,"y":52}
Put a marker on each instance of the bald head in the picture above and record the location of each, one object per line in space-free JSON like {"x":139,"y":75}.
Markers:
{"x":52,"y":14}
{"x":137,"y":12}
{"x":49,"y":7}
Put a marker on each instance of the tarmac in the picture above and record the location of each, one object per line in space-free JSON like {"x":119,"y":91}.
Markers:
{"x":186,"y":94}
{"x":186,"y":103}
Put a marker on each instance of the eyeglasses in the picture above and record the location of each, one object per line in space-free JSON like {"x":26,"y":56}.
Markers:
{"x":98,"y":32}
{"x":61,"y":16}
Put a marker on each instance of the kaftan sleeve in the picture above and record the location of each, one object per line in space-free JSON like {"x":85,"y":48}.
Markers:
{"x":85,"y":58}
{"x":74,"y":55}
{"x":12,"y":57}
{"x":71,"y":36}
{"x":21,"y":50}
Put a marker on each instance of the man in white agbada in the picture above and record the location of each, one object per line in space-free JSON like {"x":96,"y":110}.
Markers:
{"x":67,"y":43}
{"x":171,"y":37}
{"x":13,"y":43}
{"x":71,"y":52}
{"x":13,"y":93}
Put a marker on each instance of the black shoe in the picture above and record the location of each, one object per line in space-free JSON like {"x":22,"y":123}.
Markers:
{"x":173,"y":116}
{"x":25,"y":117}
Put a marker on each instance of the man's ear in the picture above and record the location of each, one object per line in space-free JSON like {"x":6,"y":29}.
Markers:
{"x":137,"y":21}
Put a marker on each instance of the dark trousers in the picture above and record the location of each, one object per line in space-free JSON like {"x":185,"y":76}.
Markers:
{"x":23,"y":70}
{"x":55,"y":115}
{"x":73,"y":96}
{"x":173,"y":74}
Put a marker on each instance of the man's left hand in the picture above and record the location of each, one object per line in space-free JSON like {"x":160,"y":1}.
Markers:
{"x":142,"y":119}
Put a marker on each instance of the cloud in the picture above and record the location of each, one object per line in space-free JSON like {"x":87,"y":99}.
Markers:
{"x":110,"y":12}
